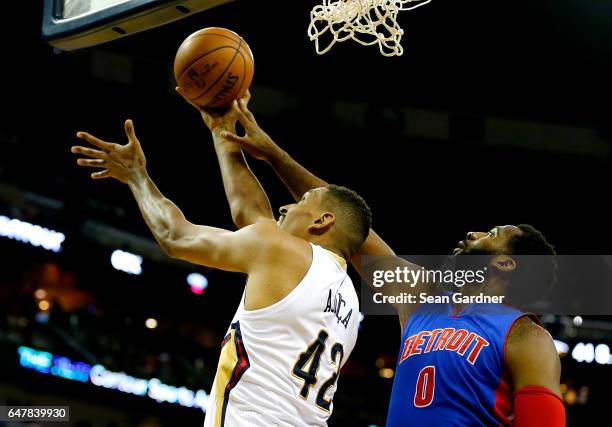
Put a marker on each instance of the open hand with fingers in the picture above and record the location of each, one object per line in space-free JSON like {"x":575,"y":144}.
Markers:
{"x":256,"y":142}
{"x":122,"y":162}
{"x":218,"y":119}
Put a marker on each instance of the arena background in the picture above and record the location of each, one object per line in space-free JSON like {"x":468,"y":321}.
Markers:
{"x":495,"y":114}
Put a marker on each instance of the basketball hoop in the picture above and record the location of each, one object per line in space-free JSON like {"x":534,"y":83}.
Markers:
{"x":367,"y":22}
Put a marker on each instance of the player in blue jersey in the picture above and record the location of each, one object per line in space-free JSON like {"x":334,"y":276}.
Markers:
{"x":481,"y":364}
{"x":459,"y":365}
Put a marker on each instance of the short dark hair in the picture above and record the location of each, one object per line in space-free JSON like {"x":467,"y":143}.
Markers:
{"x":353,"y":211}
{"x":537,"y":274}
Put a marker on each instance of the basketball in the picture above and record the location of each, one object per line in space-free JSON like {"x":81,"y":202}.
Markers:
{"x":213,"y":66}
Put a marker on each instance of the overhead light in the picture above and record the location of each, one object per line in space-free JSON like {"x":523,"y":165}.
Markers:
{"x":33,"y":234}
{"x":602,"y":354}
{"x":197,"y":282}
{"x":584,"y":352}
{"x":386,"y":373}
{"x":127,"y":262}
{"x":151,"y":323}
{"x":562,"y":348}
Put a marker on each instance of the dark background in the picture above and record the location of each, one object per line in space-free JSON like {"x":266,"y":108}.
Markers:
{"x":412,"y":134}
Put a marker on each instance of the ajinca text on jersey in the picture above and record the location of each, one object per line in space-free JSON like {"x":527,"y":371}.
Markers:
{"x":337,"y":305}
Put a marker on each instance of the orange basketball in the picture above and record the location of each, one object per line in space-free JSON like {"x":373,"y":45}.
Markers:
{"x":213,"y":66}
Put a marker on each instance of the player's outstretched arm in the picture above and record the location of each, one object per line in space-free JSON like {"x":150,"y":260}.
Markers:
{"x":299,"y":180}
{"x":209,"y":246}
{"x":535,"y":368}
{"x":259,"y":145}
{"x":296,"y":177}
{"x":247,"y":199}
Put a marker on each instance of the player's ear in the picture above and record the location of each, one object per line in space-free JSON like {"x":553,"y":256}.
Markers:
{"x":503,"y":263}
{"x":322,"y":223}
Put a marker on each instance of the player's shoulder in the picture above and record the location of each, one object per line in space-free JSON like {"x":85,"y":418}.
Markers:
{"x":526,"y":330}
{"x":528,"y":340}
{"x":531,"y":356}
{"x":272,"y":241}
{"x":263,"y":227}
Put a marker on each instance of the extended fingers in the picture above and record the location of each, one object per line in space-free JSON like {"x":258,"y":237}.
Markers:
{"x":246,"y":97}
{"x":98,"y":160}
{"x":232,"y":137}
{"x":92,"y":163}
{"x":101,"y":174}
{"x":129,"y":130}
{"x":90,"y":152}
{"x":242,"y":116}
{"x":242,"y":104}
{"x":103,"y":145}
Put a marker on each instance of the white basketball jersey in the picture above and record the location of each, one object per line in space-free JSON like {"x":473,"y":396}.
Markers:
{"x":279,"y":365}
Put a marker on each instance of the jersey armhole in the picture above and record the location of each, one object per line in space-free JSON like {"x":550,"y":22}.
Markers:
{"x":293,"y":294}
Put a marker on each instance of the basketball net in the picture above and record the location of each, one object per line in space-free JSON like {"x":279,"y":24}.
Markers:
{"x":367,"y":22}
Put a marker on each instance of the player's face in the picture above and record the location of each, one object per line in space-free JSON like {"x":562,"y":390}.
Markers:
{"x":296,"y":218}
{"x":494,"y":241}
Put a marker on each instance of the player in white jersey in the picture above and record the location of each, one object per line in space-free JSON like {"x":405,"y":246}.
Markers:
{"x":297,"y":321}
{"x":279,"y":364}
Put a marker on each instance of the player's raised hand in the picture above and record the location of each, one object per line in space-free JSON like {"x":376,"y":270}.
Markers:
{"x":255,"y":141}
{"x":122,"y":162}
{"x":217,"y":119}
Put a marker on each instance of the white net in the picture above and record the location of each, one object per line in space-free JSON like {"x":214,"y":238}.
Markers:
{"x":366,"y":21}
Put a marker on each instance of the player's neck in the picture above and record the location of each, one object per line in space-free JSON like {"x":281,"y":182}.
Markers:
{"x":336,"y":251}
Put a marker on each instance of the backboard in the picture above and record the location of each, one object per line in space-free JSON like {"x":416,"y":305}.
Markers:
{"x":76,"y":24}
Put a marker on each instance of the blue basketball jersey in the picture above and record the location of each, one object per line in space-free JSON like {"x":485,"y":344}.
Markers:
{"x":451,"y":368}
